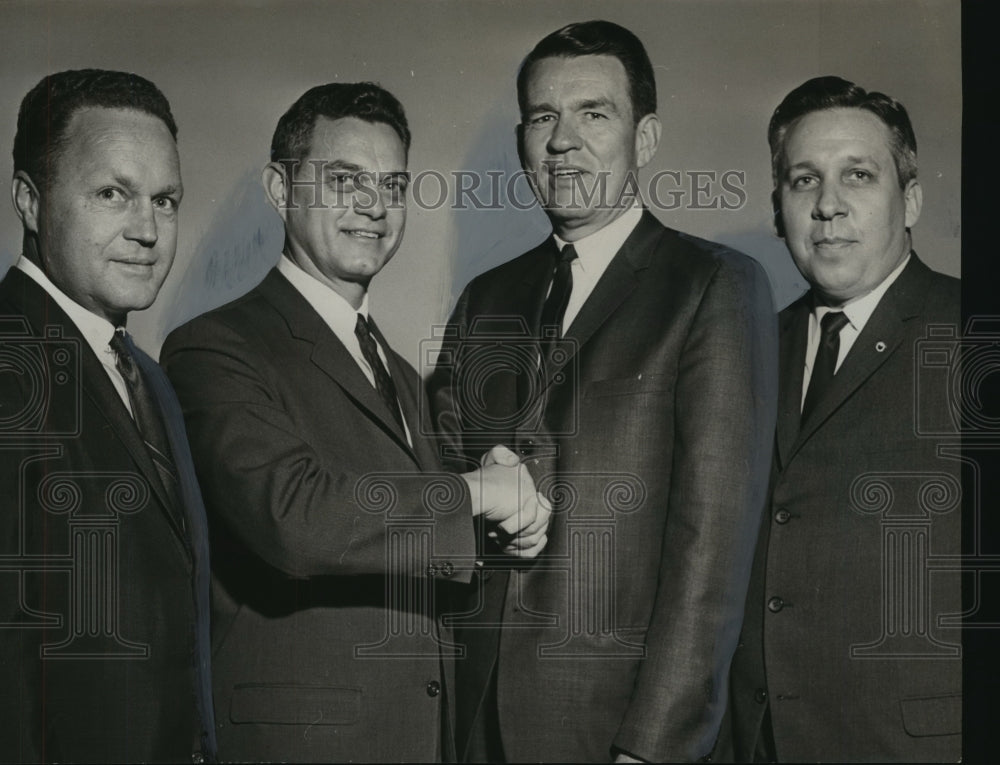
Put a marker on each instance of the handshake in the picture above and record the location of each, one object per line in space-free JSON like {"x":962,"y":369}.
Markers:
{"x":503,"y":492}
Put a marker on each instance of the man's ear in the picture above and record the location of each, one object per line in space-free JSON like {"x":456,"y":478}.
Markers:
{"x":277,"y":191}
{"x":647,"y":139}
{"x":27,"y":202}
{"x":913,"y":196}
{"x":779,"y":222}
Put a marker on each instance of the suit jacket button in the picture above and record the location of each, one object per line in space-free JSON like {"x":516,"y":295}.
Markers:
{"x":433,"y":688}
{"x":782,"y":516}
{"x":760,"y":695}
{"x":775,"y":604}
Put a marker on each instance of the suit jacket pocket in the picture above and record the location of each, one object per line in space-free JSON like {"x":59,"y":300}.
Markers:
{"x":295,"y":704}
{"x":627,"y":386}
{"x":932,"y":715}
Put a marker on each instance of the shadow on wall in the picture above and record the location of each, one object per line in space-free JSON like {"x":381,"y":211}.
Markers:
{"x":499,"y":219}
{"x":242,"y":244}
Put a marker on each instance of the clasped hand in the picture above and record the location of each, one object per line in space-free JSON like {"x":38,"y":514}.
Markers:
{"x":504,"y":493}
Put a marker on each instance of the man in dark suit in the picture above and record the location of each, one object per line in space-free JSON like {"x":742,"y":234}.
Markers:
{"x":644,"y":402}
{"x":331,"y":523}
{"x":103,"y":552}
{"x":850,"y":650}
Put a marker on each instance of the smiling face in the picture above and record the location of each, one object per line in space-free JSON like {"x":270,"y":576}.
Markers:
{"x":106,"y":224}
{"x":580,"y":143}
{"x":845,"y":216}
{"x":345,"y":206}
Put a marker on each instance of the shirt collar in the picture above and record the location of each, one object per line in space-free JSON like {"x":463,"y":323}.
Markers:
{"x":594,"y":250}
{"x":859,"y":310}
{"x":97,"y":331}
{"x":340,"y":315}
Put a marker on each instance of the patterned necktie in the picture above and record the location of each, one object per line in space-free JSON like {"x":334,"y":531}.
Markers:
{"x":383,"y":383}
{"x":554,"y":308}
{"x":826,"y":360}
{"x":148,"y":418}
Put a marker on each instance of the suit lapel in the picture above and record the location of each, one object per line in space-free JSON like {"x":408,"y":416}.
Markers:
{"x":328,"y":353}
{"x":28,"y":297}
{"x":98,"y":387}
{"x":408,"y":404}
{"x":409,"y":401}
{"x":793,"y":337}
{"x":524,"y":298}
{"x":878,"y":341}
{"x":615,"y":285}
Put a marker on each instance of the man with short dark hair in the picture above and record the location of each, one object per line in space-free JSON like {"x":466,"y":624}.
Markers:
{"x":104,"y":646}
{"x":332,"y":523}
{"x":644,"y":402}
{"x":850,"y":651}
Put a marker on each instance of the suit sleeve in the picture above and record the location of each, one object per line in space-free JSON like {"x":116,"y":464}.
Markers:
{"x":446,"y":420}
{"x":726,"y":402}
{"x":303,"y":512}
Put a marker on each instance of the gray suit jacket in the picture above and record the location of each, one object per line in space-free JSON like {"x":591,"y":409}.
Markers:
{"x":851,"y":632}
{"x":653,"y":435}
{"x":329,"y":533}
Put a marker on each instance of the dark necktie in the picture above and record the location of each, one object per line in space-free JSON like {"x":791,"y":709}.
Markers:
{"x":826,"y":360}
{"x":554,"y":308}
{"x":383,"y":383}
{"x":148,"y":418}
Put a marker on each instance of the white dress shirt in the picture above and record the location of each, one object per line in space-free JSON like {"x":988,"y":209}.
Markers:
{"x":594,"y":253}
{"x":95,"y":330}
{"x":339,"y":315}
{"x":858,"y":311}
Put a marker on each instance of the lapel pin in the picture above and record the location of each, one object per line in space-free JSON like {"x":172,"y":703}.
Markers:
{"x":880,"y":346}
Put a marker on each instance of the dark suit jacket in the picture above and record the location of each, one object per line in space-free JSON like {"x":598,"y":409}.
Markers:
{"x":842,"y":635}
{"x":328,"y":532}
{"x":655,"y":443}
{"x":103,"y":582}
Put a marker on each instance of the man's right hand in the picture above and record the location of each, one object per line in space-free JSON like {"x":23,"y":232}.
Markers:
{"x":503,"y":492}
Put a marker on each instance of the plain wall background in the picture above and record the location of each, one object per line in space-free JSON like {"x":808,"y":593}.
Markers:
{"x":230,"y":69}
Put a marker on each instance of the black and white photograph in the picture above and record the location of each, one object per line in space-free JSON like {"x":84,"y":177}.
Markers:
{"x":496,"y":381}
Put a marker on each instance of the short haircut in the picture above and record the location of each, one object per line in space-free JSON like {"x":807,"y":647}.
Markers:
{"x":821,"y":93}
{"x":597,"y":38}
{"x":48,"y":107}
{"x":363,"y":100}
